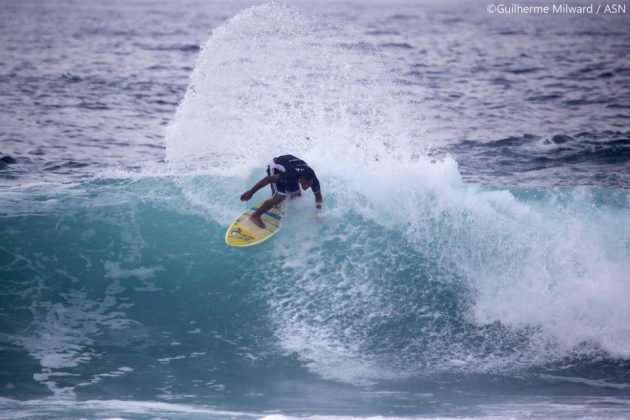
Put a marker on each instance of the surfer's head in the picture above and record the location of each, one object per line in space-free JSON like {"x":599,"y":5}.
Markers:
{"x":307,"y":176}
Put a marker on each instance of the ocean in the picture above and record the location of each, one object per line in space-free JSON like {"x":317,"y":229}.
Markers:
{"x":472,"y":260}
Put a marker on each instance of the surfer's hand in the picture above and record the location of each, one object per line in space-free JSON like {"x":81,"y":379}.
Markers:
{"x":319,"y":216}
{"x":246,"y":196}
{"x":318,"y":212}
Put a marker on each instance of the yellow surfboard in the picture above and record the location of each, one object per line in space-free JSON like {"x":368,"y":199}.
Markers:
{"x":243,"y":232}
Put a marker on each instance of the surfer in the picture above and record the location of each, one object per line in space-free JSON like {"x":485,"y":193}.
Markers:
{"x":285,"y":174}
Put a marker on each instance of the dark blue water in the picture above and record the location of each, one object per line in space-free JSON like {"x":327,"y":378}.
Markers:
{"x":473,"y":255}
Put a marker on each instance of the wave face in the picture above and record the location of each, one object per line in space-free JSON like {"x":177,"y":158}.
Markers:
{"x":125,"y":287}
{"x":415,"y":290}
{"x":452,"y":278}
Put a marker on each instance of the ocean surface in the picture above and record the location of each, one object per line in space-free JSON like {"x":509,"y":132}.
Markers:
{"x":472,"y":259}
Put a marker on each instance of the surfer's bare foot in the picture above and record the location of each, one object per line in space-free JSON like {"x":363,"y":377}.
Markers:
{"x":256,"y":220}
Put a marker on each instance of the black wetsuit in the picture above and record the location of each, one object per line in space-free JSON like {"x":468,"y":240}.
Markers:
{"x":290,"y":169}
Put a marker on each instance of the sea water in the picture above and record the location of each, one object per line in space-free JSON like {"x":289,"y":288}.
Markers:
{"x":472,"y":259}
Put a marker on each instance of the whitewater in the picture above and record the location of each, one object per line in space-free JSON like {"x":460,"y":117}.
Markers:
{"x":479,"y":275}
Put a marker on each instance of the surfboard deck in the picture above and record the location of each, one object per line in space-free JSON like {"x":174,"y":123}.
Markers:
{"x":243,"y":232}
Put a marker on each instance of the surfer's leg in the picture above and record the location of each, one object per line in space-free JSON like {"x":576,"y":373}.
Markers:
{"x":255,"y":216}
{"x":256,"y":220}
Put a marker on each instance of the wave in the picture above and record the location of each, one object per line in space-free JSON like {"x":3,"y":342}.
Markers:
{"x":449,"y":277}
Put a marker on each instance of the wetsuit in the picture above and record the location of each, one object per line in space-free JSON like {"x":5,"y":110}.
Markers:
{"x":290,"y":169}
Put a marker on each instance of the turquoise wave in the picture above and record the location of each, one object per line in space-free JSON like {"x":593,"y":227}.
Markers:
{"x":127,"y":285}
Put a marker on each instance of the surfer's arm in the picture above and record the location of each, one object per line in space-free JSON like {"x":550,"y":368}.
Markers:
{"x":318,"y":200}
{"x":260,"y":184}
{"x":318,"y":194}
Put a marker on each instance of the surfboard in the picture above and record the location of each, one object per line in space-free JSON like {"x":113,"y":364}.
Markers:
{"x":243,"y":232}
